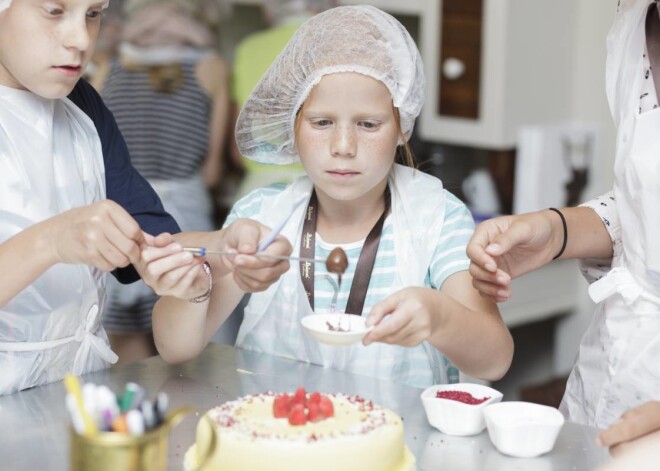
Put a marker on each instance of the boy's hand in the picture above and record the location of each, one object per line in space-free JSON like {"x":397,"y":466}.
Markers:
{"x":102,"y":235}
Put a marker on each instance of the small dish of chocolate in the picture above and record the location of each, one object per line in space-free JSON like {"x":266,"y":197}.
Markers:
{"x":336,"y":329}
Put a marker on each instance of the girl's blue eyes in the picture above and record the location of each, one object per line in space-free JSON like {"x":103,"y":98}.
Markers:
{"x":369,"y":125}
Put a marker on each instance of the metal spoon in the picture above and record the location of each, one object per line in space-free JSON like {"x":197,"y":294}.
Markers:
{"x":201,"y":252}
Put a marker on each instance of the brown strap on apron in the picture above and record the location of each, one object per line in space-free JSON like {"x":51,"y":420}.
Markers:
{"x":653,"y":44}
{"x":365,"y":264}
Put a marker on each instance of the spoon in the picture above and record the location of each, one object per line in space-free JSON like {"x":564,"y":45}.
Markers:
{"x":335,"y":263}
{"x":202,"y":252}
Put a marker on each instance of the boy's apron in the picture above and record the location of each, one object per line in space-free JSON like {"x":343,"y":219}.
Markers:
{"x":50,"y":161}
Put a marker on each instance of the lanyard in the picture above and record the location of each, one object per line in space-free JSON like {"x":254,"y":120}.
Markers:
{"x":365,"y":263}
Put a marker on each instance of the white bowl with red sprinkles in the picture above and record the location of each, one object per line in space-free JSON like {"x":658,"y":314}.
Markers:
{"x":457,"y":409}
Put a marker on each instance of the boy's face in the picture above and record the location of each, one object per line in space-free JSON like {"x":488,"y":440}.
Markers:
{"x":45,"y":45}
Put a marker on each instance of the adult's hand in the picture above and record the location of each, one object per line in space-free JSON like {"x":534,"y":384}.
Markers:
{"x":633,"y":425}
{"x":506,"y":247}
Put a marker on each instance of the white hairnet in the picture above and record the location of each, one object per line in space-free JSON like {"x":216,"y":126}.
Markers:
{"x":359,"y":39}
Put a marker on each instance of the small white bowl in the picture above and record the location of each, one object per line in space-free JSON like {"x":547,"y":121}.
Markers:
{"x":319,"y":326}
{"x":523,"y":429}
{"x":454,"y":417}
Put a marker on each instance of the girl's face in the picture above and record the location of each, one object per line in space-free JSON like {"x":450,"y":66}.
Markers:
{"x":347,"y":136}
{"x":45,"y":45}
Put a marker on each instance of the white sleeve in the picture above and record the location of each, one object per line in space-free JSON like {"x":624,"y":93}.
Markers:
{"x":604,"y":205}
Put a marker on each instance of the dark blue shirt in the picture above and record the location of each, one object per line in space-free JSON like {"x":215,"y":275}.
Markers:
{"x":124,"y":184}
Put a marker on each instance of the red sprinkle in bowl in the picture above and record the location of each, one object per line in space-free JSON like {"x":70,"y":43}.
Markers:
{"x":457,"y":409}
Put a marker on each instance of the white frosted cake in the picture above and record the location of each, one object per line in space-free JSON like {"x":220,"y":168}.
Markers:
{"x":291,"y":433}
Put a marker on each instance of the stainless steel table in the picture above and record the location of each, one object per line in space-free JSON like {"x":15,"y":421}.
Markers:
{"x":34,"y":433}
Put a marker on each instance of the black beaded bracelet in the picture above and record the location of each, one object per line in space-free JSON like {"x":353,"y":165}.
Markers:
{"x":563,"y":223}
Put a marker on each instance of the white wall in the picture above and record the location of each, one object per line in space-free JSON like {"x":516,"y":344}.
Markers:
{"x":589,"y":100}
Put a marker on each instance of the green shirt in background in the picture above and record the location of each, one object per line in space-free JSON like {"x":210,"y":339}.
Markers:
{"x":254,"y":55}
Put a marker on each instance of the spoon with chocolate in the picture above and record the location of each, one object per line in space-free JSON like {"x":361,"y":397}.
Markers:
{"x":335,"y":263}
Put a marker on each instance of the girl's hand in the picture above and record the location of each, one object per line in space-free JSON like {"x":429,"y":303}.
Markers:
{"x":632,"y":425}
{"x":102,"y":235}
{"x":253,"y":274}
{"x":405,"y":318}
{"x":170,"y":271}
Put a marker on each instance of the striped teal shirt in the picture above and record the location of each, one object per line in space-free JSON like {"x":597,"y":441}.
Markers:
{"x":449,"y":256}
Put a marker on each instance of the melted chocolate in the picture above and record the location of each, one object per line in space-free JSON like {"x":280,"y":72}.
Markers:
{"x":337,"y":328}
{"x":337,"y":261}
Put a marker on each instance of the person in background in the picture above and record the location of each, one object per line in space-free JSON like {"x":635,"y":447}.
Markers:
{"x":254,"y":54}
{"x":342,"y":98}
{"x":73,"y":208}
{"x":168,"y":92}
{"x":617,"y":367}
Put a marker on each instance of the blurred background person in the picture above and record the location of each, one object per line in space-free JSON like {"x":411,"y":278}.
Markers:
{"x":254,"y":54}
{"x":169,"y":92}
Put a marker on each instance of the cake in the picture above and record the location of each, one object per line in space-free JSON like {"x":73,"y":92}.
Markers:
{"x":303,"y":432}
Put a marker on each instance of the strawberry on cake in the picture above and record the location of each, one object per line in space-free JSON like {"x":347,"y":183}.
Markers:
{"x":301,"y":432}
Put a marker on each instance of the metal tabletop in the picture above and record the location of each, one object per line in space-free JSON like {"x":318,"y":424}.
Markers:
{"x":34,"y":423}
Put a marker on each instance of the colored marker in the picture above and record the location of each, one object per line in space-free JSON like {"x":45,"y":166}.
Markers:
{"x":126,"y":401}
{"x":160,"y":407}
{"x":74,"y":413}
{"x":73,"y":387}
{"x":147,"y":409}
{"x":134,"y":422}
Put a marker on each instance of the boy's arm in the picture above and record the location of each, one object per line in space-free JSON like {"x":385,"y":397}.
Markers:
{"x":124,"y":184}
{"x":102,"y":235}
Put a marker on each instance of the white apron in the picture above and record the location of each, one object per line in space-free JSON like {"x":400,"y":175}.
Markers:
{"x":50,"y":161}
{"x":271,"y":321}
{"x":618,"y":365}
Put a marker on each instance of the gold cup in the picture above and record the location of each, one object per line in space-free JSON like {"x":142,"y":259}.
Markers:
{"x":113,"y":451}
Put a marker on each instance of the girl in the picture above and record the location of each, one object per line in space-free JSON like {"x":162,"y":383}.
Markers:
{"x":342,"y":97}
{"x":72,"y":207}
